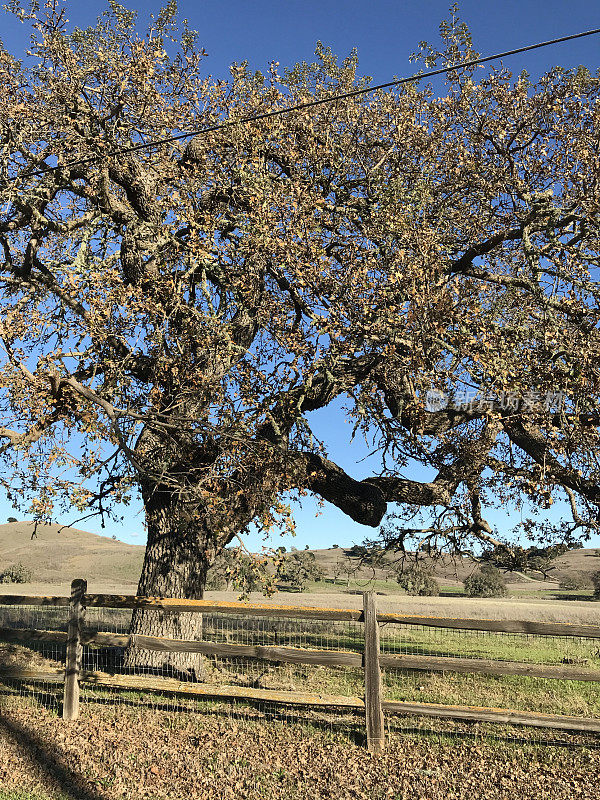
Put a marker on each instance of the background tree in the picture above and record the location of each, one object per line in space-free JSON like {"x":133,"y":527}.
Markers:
{"x":297,"y":569}
{"x":418,"y":580}
{"x":577,"y":580}
{"x":373,"y":558}
{"x":345,"y":567}
{"x":171,"y":314}
{"x":233,"y":568}
{"x":487,"y":581}
{"x":525,"y":559}
{"x":16,"y":573}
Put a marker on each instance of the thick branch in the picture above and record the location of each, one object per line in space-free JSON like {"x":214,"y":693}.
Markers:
{"x":360,"y":500}
{"x":531,"y":440}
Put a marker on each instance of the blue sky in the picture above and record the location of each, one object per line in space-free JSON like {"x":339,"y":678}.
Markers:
{"x":385,"y":33}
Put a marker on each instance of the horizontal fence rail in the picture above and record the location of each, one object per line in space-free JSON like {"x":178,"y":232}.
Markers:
{"x":222,"y":607}
{"x":296,"y":655}
{"x":568,"y":629}
{"x":496,"y":625}
{"x":370,"y":658}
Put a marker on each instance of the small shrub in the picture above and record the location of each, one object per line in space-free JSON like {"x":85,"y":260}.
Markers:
{"x":578,"y":580}
{"x":16,"y":573}
{"x":418,"y":581}
{"x":487,"y":581}
{"x":12,"y":519}
{"x":595,"y":578}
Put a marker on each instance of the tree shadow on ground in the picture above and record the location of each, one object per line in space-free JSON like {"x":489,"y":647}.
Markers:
{"x":50,"y":699}
{"x":587,"y":597}
{"x":66,"y":780}
{"x":476,"y":736}
{"x":251,"y":713}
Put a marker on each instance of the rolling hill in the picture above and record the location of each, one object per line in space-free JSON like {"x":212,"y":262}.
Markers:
{"x":455,"y":570}
{"x":57,"y":555}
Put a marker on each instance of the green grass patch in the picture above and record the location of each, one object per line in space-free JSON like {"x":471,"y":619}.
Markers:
{"x":521,"y":693}
{"x":531,"y":648}
{"x":453,"y":590}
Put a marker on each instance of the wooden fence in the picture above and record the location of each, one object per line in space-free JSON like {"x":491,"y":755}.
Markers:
{"x":371,"y":660}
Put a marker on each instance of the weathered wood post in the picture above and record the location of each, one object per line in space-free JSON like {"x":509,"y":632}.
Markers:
{"x":373,"y":692}
{"x":74,"y":650}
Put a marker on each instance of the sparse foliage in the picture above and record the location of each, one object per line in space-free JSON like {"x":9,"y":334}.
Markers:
{"x":16,"y":573}
{"x":234,"y":569}
{"x":171,"y":316}
{"x":346,"y":568}
{"x":373,"y":558}
{"x":297,"y":569}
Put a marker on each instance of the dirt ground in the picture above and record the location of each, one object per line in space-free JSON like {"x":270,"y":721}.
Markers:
{"x":127,"y":754}
{"x":121,"y":752}
{"x":576,"y":611}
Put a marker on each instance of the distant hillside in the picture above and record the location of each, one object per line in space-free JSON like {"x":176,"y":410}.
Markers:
{"x":585,"y":560}
{"x":58,"y":557}
{"x":446,"y":569}
{"x":55,"y":557}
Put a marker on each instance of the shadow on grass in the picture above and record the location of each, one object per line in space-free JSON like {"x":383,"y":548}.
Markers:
{"x":491,"y":736}
{"x":67,"y":781}
{"x":587,"y":597}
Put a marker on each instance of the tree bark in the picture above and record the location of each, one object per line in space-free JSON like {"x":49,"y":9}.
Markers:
{"x":178,"y":553}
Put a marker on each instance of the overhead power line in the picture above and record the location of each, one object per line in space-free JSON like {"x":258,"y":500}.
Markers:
{"x":302,"y":106}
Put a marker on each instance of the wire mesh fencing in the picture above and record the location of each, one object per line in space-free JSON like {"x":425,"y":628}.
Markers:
{"x":477,"y":686}
{"x":32,"y":657}
{"x":433,"y":668}
{"x":248,"y":675}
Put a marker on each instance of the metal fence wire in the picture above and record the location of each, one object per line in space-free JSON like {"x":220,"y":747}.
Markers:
{"x":33,"y":655}
{"x":414,"y":683}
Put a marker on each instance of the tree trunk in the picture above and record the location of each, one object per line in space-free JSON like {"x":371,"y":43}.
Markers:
{"x":178,"y":554}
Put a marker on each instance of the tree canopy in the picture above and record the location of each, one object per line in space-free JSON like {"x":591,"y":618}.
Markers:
{"x":172,"y":313}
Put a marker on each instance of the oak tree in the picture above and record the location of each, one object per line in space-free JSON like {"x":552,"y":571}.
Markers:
{"x":298,"y":568}
{"x":172,"y":312}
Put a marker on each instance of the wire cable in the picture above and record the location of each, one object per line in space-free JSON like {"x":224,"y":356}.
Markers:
{"x":301,"y":106}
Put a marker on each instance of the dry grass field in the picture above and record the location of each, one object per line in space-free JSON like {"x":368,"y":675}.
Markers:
{"x":543,"y":610}
{"x":58,"y":555}
{"x":55,"y":556}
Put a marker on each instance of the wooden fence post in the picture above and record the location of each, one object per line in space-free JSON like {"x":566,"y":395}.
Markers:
{"x":373,"y":707}
{"x":74,"y":650}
